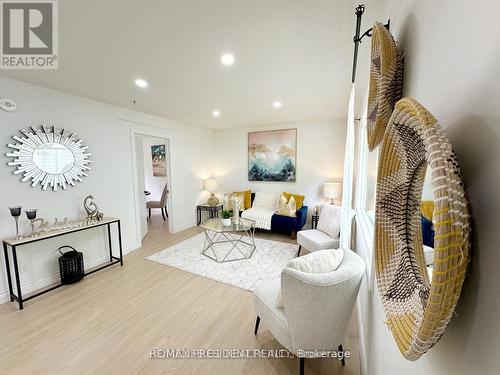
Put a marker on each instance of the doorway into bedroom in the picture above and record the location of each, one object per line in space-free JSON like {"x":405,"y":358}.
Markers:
{"x":153,"y":181}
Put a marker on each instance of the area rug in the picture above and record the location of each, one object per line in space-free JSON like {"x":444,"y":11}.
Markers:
{"x":266,"y":263}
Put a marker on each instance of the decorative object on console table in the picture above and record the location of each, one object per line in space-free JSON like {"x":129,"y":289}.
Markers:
{"x":92,"y":210}
{"x":31,"y":216}
{"x":71,"y":267}
{"x":212,"y":211}
{"x":211,"y":186}
{"x":332,"y":191}
{"x":16,"y":212}
{"x":272,"y":155}
{"x":49,"y":156}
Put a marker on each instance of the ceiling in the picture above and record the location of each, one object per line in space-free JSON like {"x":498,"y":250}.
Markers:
{"x":296,"y":52}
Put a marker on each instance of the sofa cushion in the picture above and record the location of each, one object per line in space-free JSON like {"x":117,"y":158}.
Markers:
{"x":287,"y":207}
{"x":266,"y":200}
{"x":299,"y":199}
{"x":329,"y":220}
{"x":314,"y":239}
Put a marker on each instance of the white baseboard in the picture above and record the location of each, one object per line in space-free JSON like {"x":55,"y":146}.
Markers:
{"x":184,"y":226}
{"x":54,"y":277}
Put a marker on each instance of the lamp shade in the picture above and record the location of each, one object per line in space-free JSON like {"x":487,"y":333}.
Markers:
{"x":211,"y":184}
{"x":332,"y":190}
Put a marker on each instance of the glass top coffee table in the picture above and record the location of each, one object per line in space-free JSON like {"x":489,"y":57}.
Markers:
{"x":228,"y":243}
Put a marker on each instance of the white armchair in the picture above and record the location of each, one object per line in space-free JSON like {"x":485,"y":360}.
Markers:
{"x":317,"y":307}
{"x":320,"y":238}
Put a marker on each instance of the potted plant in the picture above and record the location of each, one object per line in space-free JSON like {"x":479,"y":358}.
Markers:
{"x":226,"y":218}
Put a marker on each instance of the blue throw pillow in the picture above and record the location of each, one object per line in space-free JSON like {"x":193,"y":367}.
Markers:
{"x":427,"y":232}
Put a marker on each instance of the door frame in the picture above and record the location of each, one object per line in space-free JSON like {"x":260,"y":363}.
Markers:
{"x":155,"y":133}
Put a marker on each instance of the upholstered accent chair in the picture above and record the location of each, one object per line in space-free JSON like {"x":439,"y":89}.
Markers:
{"x":320,"y":238}
{"x":317,"y":307}
{"x":161,"y":204}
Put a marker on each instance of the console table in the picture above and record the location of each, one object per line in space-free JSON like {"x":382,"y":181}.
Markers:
{"x":14,"y":244}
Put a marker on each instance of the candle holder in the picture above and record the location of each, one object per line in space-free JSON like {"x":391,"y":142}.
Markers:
{"x":16,"y":212}
{"x":31,"y":215}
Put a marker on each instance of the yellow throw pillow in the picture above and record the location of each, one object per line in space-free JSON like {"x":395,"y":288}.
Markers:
{"x":427,"y":209}
{"x":287,"y":207}
{"x":247,"y":198}
{"x":299,"y":199}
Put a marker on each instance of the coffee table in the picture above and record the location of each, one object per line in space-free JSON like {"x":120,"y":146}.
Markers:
{"x":229,"y":243}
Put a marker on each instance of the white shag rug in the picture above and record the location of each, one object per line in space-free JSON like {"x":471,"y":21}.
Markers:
{"x":266,"y":263}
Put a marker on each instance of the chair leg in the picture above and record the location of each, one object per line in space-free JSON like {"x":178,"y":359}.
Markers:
{"x":298,"y":252}
{"x":150,"y":213}
{"x":166,"y":212}
{"x":257,"y":322}
{"x":294,"y":235}
{"x":301,"y":366}
{"x":163,"y":214}
{"x":341,"y":349}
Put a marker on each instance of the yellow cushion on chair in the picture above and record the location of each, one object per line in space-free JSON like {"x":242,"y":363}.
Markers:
{"x":299,"y":199}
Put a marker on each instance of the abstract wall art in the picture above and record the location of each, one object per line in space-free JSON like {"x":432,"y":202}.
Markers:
{"x":272,"y":155}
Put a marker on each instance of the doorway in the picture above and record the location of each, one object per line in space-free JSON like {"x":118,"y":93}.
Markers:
{"x":153,"y":181}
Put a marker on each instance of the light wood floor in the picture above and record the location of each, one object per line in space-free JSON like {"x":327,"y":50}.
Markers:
{"x":108,"y":323}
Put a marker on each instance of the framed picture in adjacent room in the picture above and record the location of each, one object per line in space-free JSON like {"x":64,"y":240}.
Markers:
{"x":272,"y":155}
{"x":158,"y":156}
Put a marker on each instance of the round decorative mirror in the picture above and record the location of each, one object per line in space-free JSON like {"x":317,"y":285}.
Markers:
{"x":50,"y":157}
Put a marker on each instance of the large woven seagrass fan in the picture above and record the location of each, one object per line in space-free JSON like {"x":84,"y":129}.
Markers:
{"x":417,"y":310}
{"x":386,"y":83}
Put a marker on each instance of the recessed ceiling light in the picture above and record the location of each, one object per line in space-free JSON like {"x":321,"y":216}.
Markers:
{"x":277,"y":104}
{"x":227,"y":59}
{"x":141,"y":83}
{"x":216,"y":113}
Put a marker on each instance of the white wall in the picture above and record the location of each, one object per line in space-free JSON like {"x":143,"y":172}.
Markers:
{"x":107,"y":131}
{"x":320,"y":157}
{"x":451,"y":66}
{"x":154,"y":184}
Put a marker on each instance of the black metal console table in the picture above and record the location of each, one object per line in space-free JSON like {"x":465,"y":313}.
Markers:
{"x":14,"y":244}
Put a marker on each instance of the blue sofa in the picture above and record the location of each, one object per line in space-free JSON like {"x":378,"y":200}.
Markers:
{"x":287,"y":224}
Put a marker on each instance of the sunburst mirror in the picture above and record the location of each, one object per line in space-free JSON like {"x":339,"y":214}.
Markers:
{"x":49,"y":156}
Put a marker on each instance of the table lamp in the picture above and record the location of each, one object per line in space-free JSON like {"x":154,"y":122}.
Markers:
{"x":332,"y":191}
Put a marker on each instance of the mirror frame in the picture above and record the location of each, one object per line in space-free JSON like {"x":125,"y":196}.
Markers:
{"x":26,"y":145}
{"x":418,"y":310}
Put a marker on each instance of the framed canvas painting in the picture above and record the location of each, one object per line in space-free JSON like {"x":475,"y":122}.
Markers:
{"x":272,"y":155}
{"x":158,"y":157}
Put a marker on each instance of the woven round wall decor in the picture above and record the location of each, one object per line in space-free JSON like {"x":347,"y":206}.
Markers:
{"x":417,"y":310}
{"x":386,"y":83}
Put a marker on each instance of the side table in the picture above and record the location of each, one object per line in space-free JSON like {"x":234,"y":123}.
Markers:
{"x":314,"y":220}
{"x":213,"y":211}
